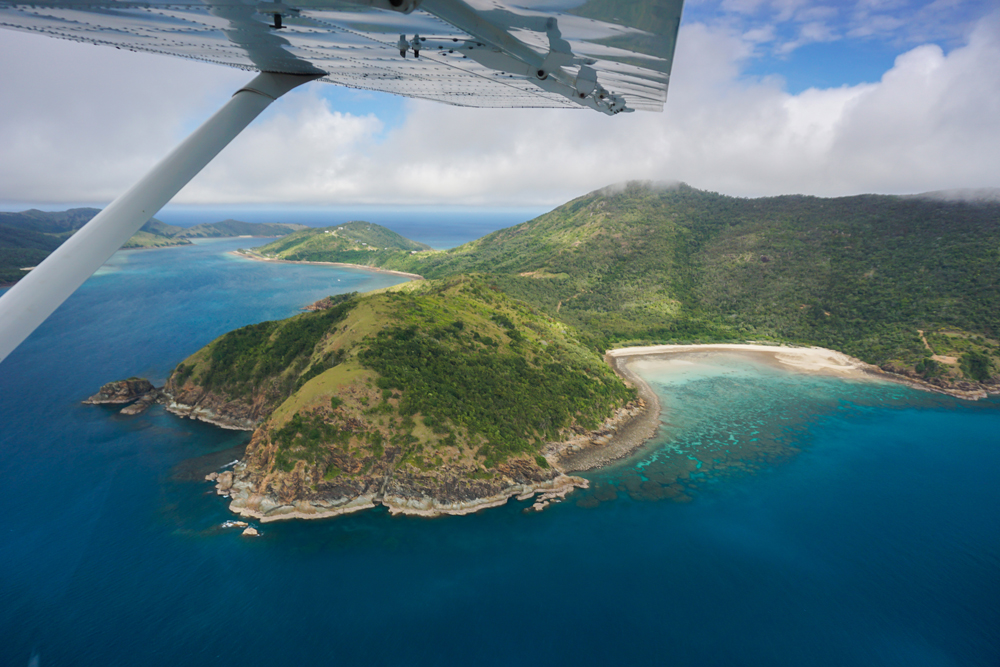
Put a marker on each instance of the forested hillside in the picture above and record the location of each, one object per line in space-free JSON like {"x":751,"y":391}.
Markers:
{"x":443,"y":390}
{"x":645,"y":263}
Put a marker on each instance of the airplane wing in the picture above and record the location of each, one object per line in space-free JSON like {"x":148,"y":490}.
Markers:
{"x":608,"y":55}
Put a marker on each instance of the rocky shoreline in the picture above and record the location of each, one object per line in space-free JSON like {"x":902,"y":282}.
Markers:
{"x":249,"y":503}
{"x":266,"y":497}
{"x":402,"y":493}
{"x":618,"y":437}
{"x":969,"y":391}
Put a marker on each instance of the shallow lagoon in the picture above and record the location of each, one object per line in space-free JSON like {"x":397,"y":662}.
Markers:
{"x":830,"y":522}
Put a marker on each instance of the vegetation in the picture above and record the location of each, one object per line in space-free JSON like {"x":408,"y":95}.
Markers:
{"x":516,"y":394}
{"x":643,"y":263}
{"x":450,"y":370}
{"x":27,"y":238}
{"x":273,"y":353}
{"x":22,"y":248}
{"x":354,"y":242}
{"x":232,"y":227}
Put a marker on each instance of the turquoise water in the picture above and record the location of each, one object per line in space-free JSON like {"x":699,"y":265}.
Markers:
{"x":778,"y":519}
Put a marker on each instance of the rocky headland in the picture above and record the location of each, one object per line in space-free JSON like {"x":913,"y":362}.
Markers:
{"x":433,"y":398}
{"x":960,"y":388}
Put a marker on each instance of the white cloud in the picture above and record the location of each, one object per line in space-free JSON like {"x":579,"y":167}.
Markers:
{"x":82,"y":120}
{"x":932,"y":122}
{"x":809,"y":33}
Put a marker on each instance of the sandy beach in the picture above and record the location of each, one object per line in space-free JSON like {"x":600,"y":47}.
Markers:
{"x":627,"y":431}
{"x":804,"y":359}
{"x":342,"y":265}
{"x":623,"y":434}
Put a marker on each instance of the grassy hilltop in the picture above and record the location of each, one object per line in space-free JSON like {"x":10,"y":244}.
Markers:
{"x":864,"y":274}
{"x":355,"y":242}
{"x":447,"y":389}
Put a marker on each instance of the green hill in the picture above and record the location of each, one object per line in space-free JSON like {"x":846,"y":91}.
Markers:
{"x":232,"y":227}
{"x":354,"y":242}
{"x":434,"y":393}
{"x":22,"y":248}
{"x":49,"y":222}
{"x":652,"y":263}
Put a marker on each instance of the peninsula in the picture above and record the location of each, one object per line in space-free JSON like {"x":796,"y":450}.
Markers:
{"x":431,"y":397}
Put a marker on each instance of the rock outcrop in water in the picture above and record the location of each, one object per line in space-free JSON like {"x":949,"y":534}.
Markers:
{"x":137,"y":394}
{"x":121,"y":391}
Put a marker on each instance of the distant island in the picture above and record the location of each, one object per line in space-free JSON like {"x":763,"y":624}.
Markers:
{"x":489,"y":379}
{"x":27,"y":238}
{"x":354,"y":243}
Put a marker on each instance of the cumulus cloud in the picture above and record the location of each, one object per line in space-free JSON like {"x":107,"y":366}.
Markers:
{"x":931,"y":123}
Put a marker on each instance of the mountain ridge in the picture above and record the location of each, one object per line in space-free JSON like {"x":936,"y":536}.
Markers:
{"x":645,"y":262}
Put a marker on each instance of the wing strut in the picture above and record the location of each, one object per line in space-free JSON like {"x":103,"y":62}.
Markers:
{"x":28,"y":303}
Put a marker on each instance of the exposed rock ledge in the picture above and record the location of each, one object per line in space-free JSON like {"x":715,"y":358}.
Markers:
{"x":212,"y":416}
{"x":198,"y":403}
{"x":398,"y":497}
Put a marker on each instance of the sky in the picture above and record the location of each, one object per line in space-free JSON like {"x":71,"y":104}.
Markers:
{"x":767,"y":97}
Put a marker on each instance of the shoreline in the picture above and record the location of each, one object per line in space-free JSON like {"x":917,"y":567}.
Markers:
{"x":624,"y":434}
{"x":817,"y":360}
{"x":342,"y":265}
{"x":619,"y":437}
{"x":249,"y":504}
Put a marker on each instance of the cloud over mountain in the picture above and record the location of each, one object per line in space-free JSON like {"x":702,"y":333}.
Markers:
{"x":98,"y":118}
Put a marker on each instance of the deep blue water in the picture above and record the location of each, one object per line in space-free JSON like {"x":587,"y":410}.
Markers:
{"x":829,"y":522}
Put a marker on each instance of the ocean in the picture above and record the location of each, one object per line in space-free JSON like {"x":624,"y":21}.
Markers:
{"x":777,"y":518}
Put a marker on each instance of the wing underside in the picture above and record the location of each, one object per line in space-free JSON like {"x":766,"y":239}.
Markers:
{"x":480,"y":53}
